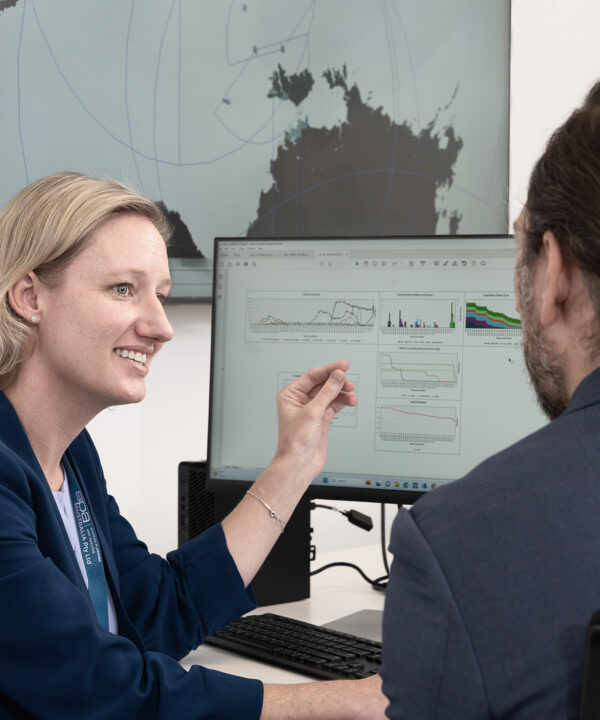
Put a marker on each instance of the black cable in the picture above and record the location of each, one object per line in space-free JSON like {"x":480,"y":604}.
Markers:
{"x":318,"y":505}
{"x":353,"y":516}
{"x":366,"y":523}
{"x":377,"y":584}
{"x":383,"y":547}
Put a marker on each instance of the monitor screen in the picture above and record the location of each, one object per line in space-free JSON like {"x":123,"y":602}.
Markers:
{"x":432,"y":335}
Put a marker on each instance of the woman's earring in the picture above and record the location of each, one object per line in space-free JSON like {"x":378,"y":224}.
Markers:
{"x":34,"y":318}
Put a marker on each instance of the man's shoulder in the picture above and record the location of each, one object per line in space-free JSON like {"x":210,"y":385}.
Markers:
{"x":563,"y":448}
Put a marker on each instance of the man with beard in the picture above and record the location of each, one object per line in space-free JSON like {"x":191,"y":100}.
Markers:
{"x":495,"y":576}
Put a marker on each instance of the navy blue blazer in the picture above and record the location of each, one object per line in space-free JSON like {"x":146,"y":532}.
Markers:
{"x":56,"y":661}
{"x":495,"y":578}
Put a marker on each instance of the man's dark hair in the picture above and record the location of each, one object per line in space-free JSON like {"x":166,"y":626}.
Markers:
{"x":564,"y":193}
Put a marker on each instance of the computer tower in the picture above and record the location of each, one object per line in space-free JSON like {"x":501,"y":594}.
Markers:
{"x":285,"y":574}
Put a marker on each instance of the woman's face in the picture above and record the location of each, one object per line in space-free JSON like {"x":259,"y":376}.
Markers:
{"x":106,"y":308}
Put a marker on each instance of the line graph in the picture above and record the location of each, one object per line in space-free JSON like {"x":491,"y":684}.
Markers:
{"x":315,"y":314}
{"x":427,"y":425}
{"x":418,"y":371}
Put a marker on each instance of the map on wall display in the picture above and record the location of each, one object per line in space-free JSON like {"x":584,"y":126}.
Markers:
{"x":266,"y":119}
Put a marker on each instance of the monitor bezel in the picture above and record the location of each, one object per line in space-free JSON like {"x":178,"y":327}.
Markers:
{"x":395,"y":496}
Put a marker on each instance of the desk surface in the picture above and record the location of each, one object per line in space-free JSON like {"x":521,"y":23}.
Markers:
{"x":334,"y":593}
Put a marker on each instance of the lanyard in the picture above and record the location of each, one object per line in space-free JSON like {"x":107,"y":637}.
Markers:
{"x":90,"y":547}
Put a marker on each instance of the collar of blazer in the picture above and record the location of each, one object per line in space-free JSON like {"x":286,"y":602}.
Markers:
{"x":586,"y":393}
{"x":13,"y":435}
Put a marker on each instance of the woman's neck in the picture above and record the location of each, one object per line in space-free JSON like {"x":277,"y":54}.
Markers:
{"x":50,"y":420}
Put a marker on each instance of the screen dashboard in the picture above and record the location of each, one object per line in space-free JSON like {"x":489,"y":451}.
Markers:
{"x":432,"y":335}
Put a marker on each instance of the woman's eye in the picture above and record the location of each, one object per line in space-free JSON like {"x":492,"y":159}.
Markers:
{"x":122,"y":289}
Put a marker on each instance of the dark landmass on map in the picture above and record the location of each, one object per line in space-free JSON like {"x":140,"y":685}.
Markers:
{"x":5,"y":4}
{"x":453,"y":222}
{"x":182,"y":244}
{"x":367,"y":175}
{"x":294,"y":87}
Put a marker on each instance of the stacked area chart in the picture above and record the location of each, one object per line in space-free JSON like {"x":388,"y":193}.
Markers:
{"x":490,"y":315}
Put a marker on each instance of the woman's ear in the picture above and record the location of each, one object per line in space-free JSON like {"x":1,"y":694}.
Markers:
{"x":23,"y":297}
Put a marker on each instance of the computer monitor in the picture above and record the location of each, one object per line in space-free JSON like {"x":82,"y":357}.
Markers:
{"x":430,"y":328}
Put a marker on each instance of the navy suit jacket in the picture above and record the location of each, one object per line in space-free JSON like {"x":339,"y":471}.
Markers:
{"x":495,"y":578}
{"x":56,"y":661}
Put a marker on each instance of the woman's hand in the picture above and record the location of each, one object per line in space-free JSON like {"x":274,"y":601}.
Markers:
{"x":305,"y":409}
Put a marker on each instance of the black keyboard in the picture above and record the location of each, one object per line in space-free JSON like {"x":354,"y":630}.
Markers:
{"x":301,"y":646}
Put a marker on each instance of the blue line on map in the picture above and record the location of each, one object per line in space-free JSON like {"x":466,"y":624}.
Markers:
{"x":292,"y":36}
{"x":411,"y":63}
{"x":263,"y":50}
{"x":243,"y":141}
{"x":228,"y":23}
{"x":127,"y":111}
{"x":297,"y":205}
{"x":415,"y":89}
{"x":20,"y":119}
{"x":73,"y":91}
{"x":277,"y":44}
{"x":273,"y":154}
{"x":250,"y":140}
{"x":128,"y":145}
{"x":155,"y":99}
{"x":309,"y":7}
{"x":180,"y":84}
{"x":395,"y":84}
{"x":394,"y":70}
{"x":236,"y":78}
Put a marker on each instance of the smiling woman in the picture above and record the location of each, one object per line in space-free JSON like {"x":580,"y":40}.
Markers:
{"x":109,"y":297}
{"x":86,"y":613}
{"x":42,"y":230}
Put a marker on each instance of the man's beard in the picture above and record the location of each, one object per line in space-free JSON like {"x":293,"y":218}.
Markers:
{"x":543,"y":363}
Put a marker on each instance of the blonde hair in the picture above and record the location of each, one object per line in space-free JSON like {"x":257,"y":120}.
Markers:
{"x":42,"y":229}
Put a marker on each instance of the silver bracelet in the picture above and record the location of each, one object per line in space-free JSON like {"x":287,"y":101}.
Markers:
{"x":272,"y":512}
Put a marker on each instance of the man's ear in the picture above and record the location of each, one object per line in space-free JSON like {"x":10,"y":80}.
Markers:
{"x":556,"y":278}
{"x":23,"y":297}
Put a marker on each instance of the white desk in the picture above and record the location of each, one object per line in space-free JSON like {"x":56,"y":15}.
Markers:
{"x":334,"y":593}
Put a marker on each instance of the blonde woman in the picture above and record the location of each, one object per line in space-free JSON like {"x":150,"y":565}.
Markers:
{"x":91,"y":624}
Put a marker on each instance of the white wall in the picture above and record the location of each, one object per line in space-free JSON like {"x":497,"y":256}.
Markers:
{"x":555,"y":59}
